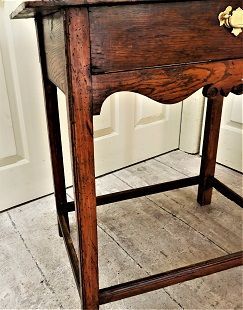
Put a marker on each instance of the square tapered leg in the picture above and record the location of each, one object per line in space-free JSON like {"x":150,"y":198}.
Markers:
{"x":210,"y":147}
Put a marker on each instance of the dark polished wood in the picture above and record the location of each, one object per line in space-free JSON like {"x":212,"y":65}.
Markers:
{"x":29,"y":9}
{"x":81,"y":131}
{"x":53,"y":126}
{"x":165,"y":50}
{"x":169,"y":84}
{"x":226,"y":191}
{"x":140,"y":192}
{"x":168,"y":278}
{"x":210,"y":147}
{"x":160,"y":188}
{"x":157,"y":34}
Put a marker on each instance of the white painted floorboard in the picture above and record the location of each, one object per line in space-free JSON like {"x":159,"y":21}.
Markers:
{"x":137,"y":238}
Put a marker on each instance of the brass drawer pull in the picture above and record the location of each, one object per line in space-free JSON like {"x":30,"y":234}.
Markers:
{"x":232,"y":19}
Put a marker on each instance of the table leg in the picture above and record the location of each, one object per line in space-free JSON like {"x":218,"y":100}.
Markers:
{"x":81,"y":131}
{"x":53,"y":125}
{"x":210,"y":147}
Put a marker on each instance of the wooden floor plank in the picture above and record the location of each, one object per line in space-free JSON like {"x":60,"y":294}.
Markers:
{"x":137,"y":225}
{"x":137,"y":238}
{"x":189,"y":165}
{"x":221,"y":222}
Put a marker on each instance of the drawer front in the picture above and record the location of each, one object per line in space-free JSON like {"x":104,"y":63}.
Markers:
{"x":130,"y":37}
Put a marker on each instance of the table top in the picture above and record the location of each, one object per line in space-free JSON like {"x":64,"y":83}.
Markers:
{"x":29,"y":9}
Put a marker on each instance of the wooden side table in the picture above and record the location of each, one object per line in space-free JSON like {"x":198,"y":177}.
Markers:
{"x":165,"y":50}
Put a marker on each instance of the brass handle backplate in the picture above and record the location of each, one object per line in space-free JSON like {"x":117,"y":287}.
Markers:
{"x":232,"y":19}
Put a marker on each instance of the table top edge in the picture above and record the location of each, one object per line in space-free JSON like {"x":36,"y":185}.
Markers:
{"x":29,"y":9}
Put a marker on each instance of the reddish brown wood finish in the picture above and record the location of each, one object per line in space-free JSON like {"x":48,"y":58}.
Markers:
{"x":81,"y":130}
{"x":53,"y":125}
{"x":168,"y":84}
{"x":140,"y":192}
{"x":156,"y":83}
{"x":172,"y":277}
{"x":30,"y":9}
{"x":210,"y":147}
{"x":148,"y":35}
{"x":124,"y":37}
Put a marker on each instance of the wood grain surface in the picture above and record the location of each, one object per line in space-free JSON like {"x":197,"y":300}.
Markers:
{"x":210,"y":147}
{"x":165,"y":279}
{"x":29,"y":9}
{"x":79,"y":103}
{"x":53,"y":126}
{"x":165,"y":50}
{"x":55,"y":49}
{"x":130,"y":37}
{"x":168,"y":84}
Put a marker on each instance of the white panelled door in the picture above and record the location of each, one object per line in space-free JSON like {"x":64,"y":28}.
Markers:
{"x":130,"y":128}
{"x":230,"y":151}
{"x":133,"y":128}
{"x":24,"y":160}
{"x":231,"y":133}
